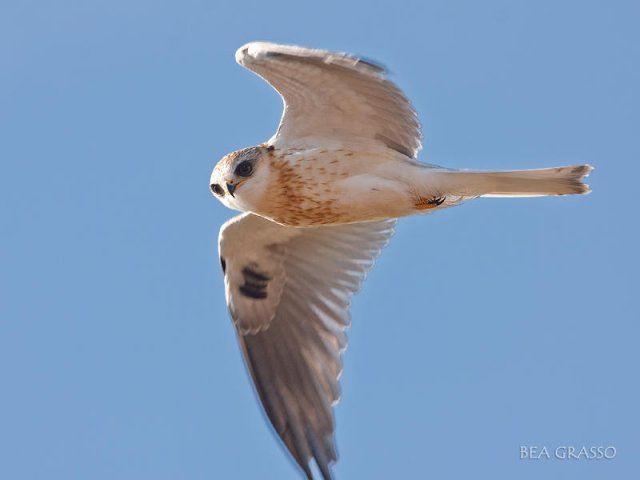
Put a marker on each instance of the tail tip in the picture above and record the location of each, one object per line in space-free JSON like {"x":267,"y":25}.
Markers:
{"x":580,"y":172}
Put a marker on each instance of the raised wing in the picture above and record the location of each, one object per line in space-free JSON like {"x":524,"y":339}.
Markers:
{"x":333,"y":97}
{"x":288,"y":291}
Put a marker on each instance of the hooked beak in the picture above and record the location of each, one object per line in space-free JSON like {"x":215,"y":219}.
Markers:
{"x":231,"y":188}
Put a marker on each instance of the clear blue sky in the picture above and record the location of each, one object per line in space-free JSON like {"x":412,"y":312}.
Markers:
{"x":482,"y":328}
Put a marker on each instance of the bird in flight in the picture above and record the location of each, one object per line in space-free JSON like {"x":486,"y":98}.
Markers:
{"x":320,"y":200}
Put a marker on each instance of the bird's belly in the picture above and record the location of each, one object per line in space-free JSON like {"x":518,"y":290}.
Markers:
{"x":329,"y":189}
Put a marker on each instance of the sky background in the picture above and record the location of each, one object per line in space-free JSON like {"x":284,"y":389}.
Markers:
{"x":482,"y":328}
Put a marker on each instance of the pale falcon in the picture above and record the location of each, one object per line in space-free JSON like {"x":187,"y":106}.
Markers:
{"x":321,"y":198}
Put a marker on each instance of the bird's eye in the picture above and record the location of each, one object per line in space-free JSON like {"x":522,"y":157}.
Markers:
{"x":217,"y":190}
{"x":244,"y":169}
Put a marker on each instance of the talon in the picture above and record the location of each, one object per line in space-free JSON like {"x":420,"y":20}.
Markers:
{"x":424,"y":204}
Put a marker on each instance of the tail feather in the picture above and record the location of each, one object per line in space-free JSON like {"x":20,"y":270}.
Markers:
{"x":517,"y":183}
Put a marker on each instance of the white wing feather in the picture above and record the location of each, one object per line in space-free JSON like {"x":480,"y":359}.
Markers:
{"x":333,"y":99}
{"x":293,"y":335}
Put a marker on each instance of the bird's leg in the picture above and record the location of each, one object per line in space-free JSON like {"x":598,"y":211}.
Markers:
{"x":423,"y":203}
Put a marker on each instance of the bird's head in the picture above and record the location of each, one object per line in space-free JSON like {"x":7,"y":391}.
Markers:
{"x":240,"y":178}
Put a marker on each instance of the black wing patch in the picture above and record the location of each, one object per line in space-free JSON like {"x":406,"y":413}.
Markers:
{"x":255,"y":284}
{"x":223,"y":265}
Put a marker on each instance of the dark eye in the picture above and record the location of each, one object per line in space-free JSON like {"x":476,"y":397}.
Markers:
{"x":244,"y":169}
{"x":217,"y":190}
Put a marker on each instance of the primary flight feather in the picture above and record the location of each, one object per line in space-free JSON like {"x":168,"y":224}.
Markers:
{"x":320,"y":200}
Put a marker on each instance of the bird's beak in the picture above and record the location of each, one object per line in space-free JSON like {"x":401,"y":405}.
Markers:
{"x":231,"y":188}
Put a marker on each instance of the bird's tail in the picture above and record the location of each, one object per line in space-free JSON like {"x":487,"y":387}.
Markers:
{"x":517,"y":183}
